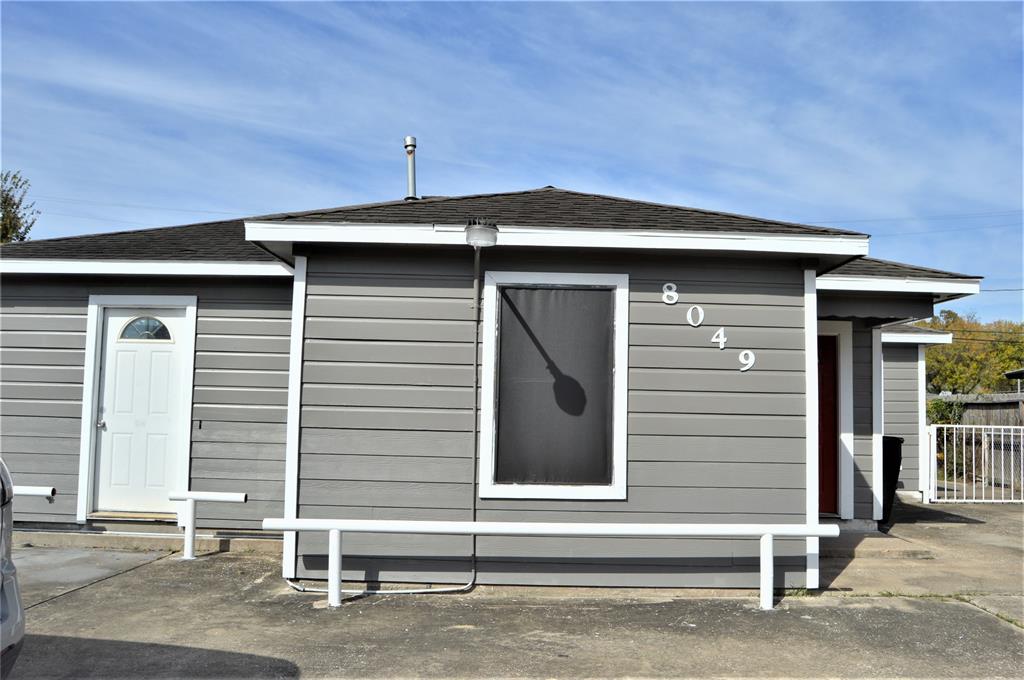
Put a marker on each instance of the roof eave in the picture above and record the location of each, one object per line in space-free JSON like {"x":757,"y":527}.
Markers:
{"x":10,"y":265}
{"x":278,"y":236}
{"x":912,"y":338}
{"x":941,"y":290}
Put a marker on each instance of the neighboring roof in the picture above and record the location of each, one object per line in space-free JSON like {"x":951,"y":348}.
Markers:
{"x":207,"y":241}
{"x":1015,"y":375}
{"x":911,"y":328}
{"x":870,"y":266}
{"x":555,"y":208}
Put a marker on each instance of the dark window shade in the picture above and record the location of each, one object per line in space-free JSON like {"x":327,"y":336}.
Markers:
{"x":554,"y":410}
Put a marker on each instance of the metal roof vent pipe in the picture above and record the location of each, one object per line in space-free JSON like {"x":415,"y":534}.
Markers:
{"x":410,"y":155}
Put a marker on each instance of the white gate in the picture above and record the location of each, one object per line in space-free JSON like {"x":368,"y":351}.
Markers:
{"x":976,"y":464}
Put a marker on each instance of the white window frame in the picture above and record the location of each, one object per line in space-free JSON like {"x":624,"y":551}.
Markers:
{"x":619,"y":283}
{"x":94,"y":349}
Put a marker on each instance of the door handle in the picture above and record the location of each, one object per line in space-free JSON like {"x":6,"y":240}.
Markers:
{"x":101,"y":423}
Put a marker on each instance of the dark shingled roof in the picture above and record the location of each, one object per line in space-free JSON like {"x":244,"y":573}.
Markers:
{"x":208,"y":241}
{"x":556,"y":208}
{"x":911,"y":328}
{"x":869,"y":266}
{"x":545,"y":207}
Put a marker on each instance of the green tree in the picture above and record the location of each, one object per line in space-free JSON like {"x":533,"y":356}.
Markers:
{"x":979,"y":356}
{"x":19,"y":215}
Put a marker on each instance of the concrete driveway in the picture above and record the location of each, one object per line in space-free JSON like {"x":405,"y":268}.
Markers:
{"x":231,"y":616}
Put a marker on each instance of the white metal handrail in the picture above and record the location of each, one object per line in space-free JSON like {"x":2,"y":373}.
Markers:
{"x":765,"y":532}
{"x":976,"y":463}
{"x":47,"y":492}
{"x":190,"y":498}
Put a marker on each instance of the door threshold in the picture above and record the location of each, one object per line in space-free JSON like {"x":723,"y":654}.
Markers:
{"x":134,"y":516}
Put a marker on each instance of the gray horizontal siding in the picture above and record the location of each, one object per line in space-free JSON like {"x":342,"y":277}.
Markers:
{"x":901,"y":407}
{"x":387,"y":419}
{"x":862,"y":423}
{"x":239,"y":399}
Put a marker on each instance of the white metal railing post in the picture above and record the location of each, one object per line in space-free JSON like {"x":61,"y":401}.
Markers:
{"x":933,"y":464}
{"x":189,"y":521}
{"x":189,"y":552}
{"x":47,"y":492}
{"x":334,"y":568}
{"x":767,"y":589}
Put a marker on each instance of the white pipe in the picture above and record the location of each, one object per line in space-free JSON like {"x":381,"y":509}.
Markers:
{"x":47,"y":492}
{"x":189,"y":524}
{"x":334,"y":569}
{"x":380,"y":526}
{"x":189,"y":553}
{"x":335,"y":527}
{"x":767,"y":572}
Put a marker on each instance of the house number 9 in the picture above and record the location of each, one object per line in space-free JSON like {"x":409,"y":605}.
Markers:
{"x":747,"y":358}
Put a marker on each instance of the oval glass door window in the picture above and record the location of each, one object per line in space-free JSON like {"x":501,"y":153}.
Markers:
{"x":145,"y":328}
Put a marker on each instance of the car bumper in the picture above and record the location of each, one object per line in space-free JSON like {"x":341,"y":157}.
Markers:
{"x":8,"y":656}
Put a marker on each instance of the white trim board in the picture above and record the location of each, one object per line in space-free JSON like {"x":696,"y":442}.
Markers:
{"x":488,"y":387}
{"x":9,"y":265}
{"x":924,"y":466}
{"x":843,"y":330}
{"x":293,"y":431}
{"x":877,"y":421}
{"x":882,"y":284}
{"x":454,"y":235}
{"x":912,"y":338}
{"x":811,"y":422}
{"x":91,"y":386}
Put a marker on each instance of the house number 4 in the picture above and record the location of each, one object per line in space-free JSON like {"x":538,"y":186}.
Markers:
{"x":695,"y":317}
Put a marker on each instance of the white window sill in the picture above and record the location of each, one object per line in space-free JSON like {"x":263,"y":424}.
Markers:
{"x":554,"y":492}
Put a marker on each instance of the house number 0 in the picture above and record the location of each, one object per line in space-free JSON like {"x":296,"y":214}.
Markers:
{"x":695,"y":317}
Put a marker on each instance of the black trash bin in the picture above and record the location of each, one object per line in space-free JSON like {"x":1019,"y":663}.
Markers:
{"x":892,"y":459}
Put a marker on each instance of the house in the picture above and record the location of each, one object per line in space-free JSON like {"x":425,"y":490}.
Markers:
{"x":628,"y":361}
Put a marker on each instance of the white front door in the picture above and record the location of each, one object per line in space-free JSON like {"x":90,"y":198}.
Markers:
{"x":141,"y":403}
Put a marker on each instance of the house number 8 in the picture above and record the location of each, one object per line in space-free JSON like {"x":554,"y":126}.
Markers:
{"x":668,"y":294}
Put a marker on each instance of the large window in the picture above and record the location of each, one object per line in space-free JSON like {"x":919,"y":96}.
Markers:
{"x":553,"y":398}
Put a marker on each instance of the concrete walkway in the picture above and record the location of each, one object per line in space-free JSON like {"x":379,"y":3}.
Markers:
{"x":231,"y":616}
{"x":973,"y":552}
{"x":917,"y":603}
{"x":45,"y":573}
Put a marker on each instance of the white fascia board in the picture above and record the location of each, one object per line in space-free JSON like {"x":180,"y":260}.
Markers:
{"x":881,"y":284}
{"x":420,"y":234}
{"x":911,"y":338}
{"x":142,"y":267}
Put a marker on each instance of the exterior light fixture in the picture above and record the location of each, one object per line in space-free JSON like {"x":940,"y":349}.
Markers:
{"x":481,"y":233}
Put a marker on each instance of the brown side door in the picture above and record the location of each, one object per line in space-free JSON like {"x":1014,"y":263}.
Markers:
{"x":828,"y":425}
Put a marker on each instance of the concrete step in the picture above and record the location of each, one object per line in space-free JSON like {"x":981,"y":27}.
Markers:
{"x":848,"y":546}
{"x":205,"y":543}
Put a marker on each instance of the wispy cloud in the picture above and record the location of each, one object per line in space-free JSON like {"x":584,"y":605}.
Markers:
{"x":796,"y":111}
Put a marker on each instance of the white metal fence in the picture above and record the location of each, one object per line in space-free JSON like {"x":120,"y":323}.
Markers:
{"x":977,"y":464}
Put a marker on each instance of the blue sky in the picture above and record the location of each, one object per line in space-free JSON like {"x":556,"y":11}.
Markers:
{"x":901,"y":120}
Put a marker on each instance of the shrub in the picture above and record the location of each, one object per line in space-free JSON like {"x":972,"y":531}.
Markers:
{"x":945,"y":412}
